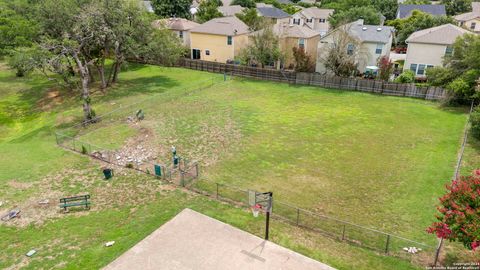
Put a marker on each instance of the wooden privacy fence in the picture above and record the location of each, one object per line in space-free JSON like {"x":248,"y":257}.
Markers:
{"x":315,"y":79}
{"x":268,"y":74}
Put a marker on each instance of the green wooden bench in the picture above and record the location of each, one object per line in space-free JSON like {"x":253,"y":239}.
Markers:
{"x":75,"y":201}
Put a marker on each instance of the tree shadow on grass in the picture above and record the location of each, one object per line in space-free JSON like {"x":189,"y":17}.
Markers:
{"x":145,"y":85}
{"x":42,"y":131}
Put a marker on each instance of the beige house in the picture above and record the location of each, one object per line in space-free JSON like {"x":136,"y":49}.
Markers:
{"x":470,"y":20}
{"x":181,"y":27}
{"x":427,"y":48}
{"x":219,"y":40}
{"x":297,"y":36}
{"x":367,"y":44}
{"x":314,"y":18}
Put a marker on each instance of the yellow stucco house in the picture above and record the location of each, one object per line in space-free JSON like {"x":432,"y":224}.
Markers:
{"x":297,"y":36}
{"x":181,"y":27}
{"x":219,"y":40}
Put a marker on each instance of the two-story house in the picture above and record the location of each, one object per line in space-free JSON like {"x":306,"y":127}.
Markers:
{"x":297,"y":36}
{"x":470,"y":20}
{"x":219,"y":40}
{"x":313,"y":17}
{"x":180,"y":26}
{"x":368,"y":44}
{"x":427,"y":48}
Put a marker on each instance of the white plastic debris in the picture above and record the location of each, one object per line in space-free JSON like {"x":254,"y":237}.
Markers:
{"x":31,"y":253}
{"x":110,"y":243}
{"x":412,"y":250}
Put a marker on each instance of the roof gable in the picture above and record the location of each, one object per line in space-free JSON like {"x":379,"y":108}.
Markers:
{"x":317,"y":13}
{"x":226,"y":26}
{"x":442,"y":35}
{"x":179,"y":24}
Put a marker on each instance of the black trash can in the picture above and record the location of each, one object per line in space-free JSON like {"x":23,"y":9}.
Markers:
{"x":108,"y":173}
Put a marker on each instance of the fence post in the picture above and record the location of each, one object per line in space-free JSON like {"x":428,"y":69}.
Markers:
{"x":343,"y":232}
{"x":298,"y":216}
{"x":217,"y":190}
{"x":356,"y":84}
{"x":388,"y":244}
{"x":383,"y":87}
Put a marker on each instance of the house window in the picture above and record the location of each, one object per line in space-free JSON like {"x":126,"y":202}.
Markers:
{"x":472,"y":26}
{"x":421,"y":69}
{"x":449,"y":51}
{"x":309,"y":20}
{"x":207,"y":52}
{"x":429,"y":66}
{"x":379,"y":48}
{"x":296,"y":21}
{"x":462,"y":23}
{"x":229,"y":40}
{"x":195,"y":54}
{"x":350,"y":48}
{"x":322,"y":20}
{"x":301,"y":43}
{"x":180,"y":34}
{"x":413,"y":67}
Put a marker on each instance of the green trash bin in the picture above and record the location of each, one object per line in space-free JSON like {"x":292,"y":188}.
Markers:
{"x":158,"y":170}
{"x":108,"y":173}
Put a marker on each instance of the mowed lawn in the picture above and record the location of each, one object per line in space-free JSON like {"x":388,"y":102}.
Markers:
{"x":373,"y":160}
{"x":379,"y":161}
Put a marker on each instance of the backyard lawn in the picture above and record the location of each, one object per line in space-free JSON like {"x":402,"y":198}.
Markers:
{"x":373,"y":160}
{"x":378,"y":161}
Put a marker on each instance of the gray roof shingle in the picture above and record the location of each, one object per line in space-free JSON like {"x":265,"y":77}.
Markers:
{"x":272,"y":12}
{"x":406,"y":10}
{"x":371,"y":33}
{"x":444,"y":35}
{"x":226,"y":26}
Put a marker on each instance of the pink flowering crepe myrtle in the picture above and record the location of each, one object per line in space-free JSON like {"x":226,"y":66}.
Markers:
{"x":459,"y":212}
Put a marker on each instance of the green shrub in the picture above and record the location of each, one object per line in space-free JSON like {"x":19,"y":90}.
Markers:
{"x":84,"y":150}
{"x":475,"y":123}
{"x":406,"y":77}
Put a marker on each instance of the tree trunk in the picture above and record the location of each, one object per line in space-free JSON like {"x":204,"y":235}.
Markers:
{"x":101,"y":74}
{"x":116,"y":71}
{"x":113,"y":77}
{"x":85,"y":77}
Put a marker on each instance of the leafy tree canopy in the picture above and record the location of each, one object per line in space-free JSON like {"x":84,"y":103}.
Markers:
{"x":208,"y":10}
{"x":368,"y":14}
{"x":455,"y":7}
{"x":244,"y":3}
{"x":251,"y":18}
{"x":172,"y":8}
{"x":418,"y":21}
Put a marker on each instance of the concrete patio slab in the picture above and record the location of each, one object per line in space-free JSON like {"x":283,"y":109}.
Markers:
{"x":194,"y":241}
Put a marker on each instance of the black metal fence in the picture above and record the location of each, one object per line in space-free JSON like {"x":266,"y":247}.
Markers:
{"x":382,"y":242}
{"x":315,"y":79}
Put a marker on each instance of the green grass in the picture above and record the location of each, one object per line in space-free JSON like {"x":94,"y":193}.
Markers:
{"x":375,"y":160}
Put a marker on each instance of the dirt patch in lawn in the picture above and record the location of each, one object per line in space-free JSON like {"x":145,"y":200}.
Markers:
{"x":126,"y":188}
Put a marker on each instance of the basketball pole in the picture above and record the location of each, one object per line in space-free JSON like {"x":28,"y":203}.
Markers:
{"x":267,"y":221}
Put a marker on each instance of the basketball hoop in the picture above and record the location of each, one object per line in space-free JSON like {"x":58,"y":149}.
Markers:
{"x":256,"y":209}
